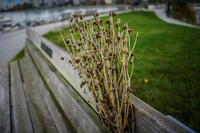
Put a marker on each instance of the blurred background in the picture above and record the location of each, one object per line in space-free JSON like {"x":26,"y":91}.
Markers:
{"x":18,"y":14}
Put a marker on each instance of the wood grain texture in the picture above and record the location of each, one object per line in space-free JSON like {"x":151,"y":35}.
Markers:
{"x":83,"y":118}
{"x":4,"y":100}
{"x":22,"y":121}
{"x":147,"y":119}
{"x":48,"y":109}
{"x":42,"y":118}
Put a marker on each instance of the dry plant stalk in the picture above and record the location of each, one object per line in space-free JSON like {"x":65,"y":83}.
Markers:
{"x":102,"y":57}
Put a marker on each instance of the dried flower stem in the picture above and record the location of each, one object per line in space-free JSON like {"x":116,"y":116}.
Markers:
{"x":102,"y":58}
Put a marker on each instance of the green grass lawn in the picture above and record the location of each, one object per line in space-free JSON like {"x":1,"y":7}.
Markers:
{"x":169,"y":57}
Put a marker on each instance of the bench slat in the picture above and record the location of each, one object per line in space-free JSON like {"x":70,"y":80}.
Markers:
{"x":4,"y":100}
{"x":21,"y":117}
{"x":83,"y":118}
{"x":37,"y":91}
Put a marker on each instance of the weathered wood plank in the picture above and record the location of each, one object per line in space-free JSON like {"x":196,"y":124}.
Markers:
{"x":40,"y":98}
{"x":42,"y":118}
{"x":147,"y":119}
{"x":22,"y":121}
{"x":83,"y":118}
{"x":62,"y":66}
{"x":4,"y":100}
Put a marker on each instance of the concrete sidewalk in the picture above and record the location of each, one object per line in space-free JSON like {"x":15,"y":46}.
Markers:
{"x":160,"y":13}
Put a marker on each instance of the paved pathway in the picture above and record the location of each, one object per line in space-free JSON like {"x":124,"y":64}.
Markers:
{"x":160,"y":13}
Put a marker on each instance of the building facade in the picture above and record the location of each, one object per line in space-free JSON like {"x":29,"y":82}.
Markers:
{"x":3,"y":5}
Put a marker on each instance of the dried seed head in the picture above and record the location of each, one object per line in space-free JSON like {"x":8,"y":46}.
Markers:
{"x":70,"y":19}
{"x":129,"y":31}
{"x":81,"y":16}
{"x":76,"y":20}
{"x":78,"y":49}
{"x":85,"y":57}
{"x":107,"y":21}
{"x":96,"y":15}
{"x":70,"y":31}
{"x":118,"y":38}
{"x":83,"y":83}
{"x":69,"y":45}
{"x":108,"y":40}
{"x":95,"y":22}
{"x":75,"y":15}
{"x":76,"y":28}
{"x":98,"y":35}
{"x":67,"y":41}
{"x":82,"y":25}
{"x":62,"y":58}
{"x":83,"y":37}
{"x":131,"y":62}
{"x":117,"y":25}
{"x":111,"y":13}
{"x":124,"y":27}
{"x":77,"y":60}
{"x":136,"y":37}
{"x":79,"y":44}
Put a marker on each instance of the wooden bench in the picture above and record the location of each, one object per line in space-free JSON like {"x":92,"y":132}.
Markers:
{"x":147,"y":119}
{"x":43,"y":101}
{"x":4,"y":99}
{"x":82,"y":117}
{"x":34,"y":109}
